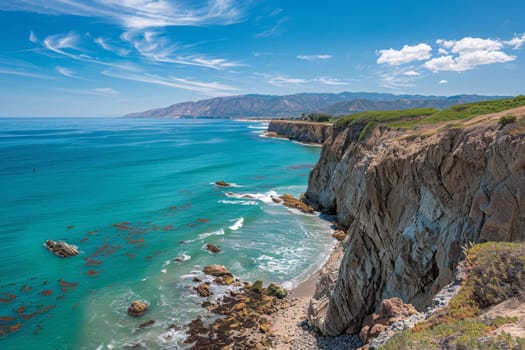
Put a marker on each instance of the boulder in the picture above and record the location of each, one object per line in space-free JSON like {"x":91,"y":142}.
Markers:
{"x":217,"y":271}
{"x":147,"y":324}
{"x":61,"y":248}
{"x":339,"y":235}
{"x":391,"y":311}
{"x":203,"y":290}
{"x":292,"y":202}
{"x":274,"y":290}
{"x":257,"y":287}
{"x":137,"y":308}
{"x":221,"y":183}
{"x":213,"y":248}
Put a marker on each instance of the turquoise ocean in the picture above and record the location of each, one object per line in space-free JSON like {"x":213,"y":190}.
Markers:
{"x":134,"y":195}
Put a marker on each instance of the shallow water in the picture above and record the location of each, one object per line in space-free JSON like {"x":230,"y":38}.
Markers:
{"x":133,"y":195}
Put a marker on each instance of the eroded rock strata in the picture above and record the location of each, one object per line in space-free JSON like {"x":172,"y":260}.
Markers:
{"x":409,"y":203}
{"x":302,"y":131}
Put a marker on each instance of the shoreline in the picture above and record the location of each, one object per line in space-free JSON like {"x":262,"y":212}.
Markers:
{"x":290,"y":323}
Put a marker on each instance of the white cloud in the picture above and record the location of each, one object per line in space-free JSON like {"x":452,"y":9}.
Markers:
{"x":208,"y":88}
{"x":467,"y":61}
{"x":516,"y":42}
{"x":412,"y":73}
{"x":469,"y":53}
{"x":469,"y":44}
{"x":32,"y":37}
{"x":313,"y":58}
{"x":138,"y":13}
{"x":443,"y":81}
{"x":406,"y":55}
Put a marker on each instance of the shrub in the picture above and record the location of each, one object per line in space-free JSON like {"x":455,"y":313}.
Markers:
{"x":507,"y":119}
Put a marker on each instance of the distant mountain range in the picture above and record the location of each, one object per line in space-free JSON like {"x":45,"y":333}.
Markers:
{"x":291,"y":106}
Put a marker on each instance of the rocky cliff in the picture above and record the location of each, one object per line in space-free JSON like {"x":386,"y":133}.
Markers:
{"x":301,"y":131}
{"x":409,"y":201}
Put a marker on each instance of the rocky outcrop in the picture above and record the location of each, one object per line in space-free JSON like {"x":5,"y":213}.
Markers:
{"x":61,"y":248}
{"x":294,"y":203}
{"x":217,"y":271}
{"x":302,"y":131}
{"x":137,"y":308}
{"x":409,"y":203}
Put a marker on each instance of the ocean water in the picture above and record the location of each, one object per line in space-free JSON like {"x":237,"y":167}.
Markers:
{"x":133,"y":195}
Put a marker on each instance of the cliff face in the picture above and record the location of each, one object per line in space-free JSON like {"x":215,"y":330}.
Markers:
{"x":301,"y":131}
{"x":409,"y":204}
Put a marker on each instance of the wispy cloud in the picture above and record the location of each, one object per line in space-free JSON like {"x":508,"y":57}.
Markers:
{"x":101,"y":91}
{"x":139,"y":13}
{"x":106,"y":91}
{"x":68,"y":45}
{"x":443,"y":81}
{"x":32,"y":37}
{"x":208,"y":88}
{"x":21,"y":73}
{"x":103,"y":43}
{"x":155,"y":47}
{"x":66,"y":72}
{"x":314,"y":58}
{"x":274,"y":30}
{"x":283,"y":81}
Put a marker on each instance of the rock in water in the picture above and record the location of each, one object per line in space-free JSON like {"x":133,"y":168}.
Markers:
{"x":222,"y":183}
{"x":147,"y":324}
{"x":203,"y":290}
{"x":137,"y":308}
{"x":213,"y":248}
{"x":292,"y":202}
{"x":61,"y":248}
{"x":217,"y":271}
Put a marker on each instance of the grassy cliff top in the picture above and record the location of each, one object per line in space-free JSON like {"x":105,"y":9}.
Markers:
{"x":423,"y":116}
{"x":495,"y":273}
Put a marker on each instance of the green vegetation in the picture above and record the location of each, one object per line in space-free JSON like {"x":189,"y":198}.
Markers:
{"x":384,"y":116}
{"x":422,"y":116}
{"x":316,"y":117}
{"x":507,"y":119}
{"x":495,"y":272}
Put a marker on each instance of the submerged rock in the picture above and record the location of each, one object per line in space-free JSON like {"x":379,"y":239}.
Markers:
{"x":61,"y":248}
{"x":292,"y":202}
{"x":213,"y":248}
{"x":147,"y":324}
{"x":217,"y":271}
{"x":222,"y":184}
{"x":137,"y":308}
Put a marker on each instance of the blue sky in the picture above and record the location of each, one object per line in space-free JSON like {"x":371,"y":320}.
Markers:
{"x":110,"y":57}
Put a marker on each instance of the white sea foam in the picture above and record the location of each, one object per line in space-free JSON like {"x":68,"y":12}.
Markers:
{"x":224,"y":201}
{"x":183,"y":257}
{"x":259,"y":127}
{"x":100,"y":347}
{"x":164,"y":271}
{"x":266,"y":198}
{"x":237,"y":225}
{"x":214,"y":233}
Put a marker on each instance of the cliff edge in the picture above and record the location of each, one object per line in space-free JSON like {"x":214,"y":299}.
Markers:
{"x":410,"y":199}
{"x":302,"y":131}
